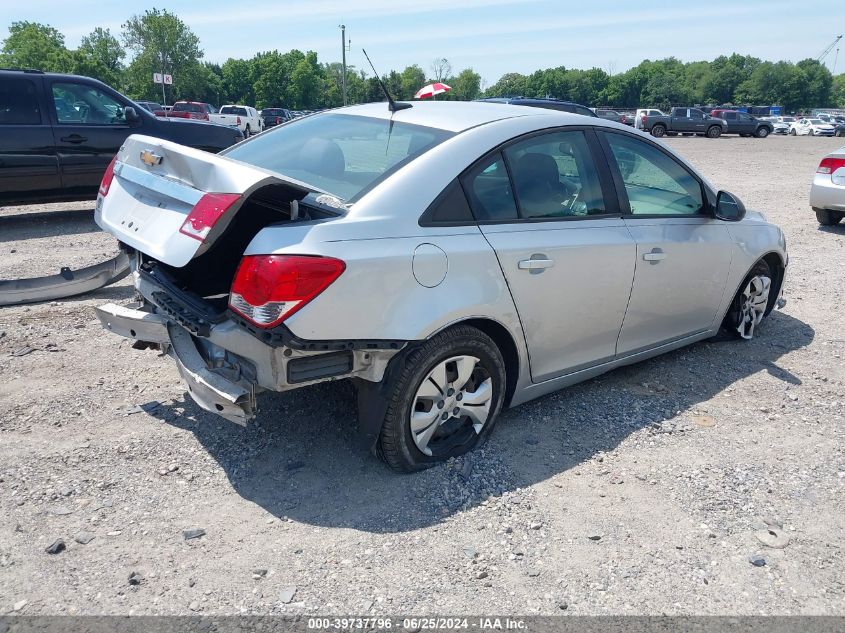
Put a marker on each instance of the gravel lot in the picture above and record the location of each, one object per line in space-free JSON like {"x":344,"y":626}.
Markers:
{"x":641,"y":492}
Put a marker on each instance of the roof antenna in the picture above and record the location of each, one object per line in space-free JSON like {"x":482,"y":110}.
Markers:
{"x":393,"y":105}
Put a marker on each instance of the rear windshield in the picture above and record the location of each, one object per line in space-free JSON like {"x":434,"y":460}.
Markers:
{"x":233,"y":110}
{"x":343,"y":154}
{"x":187,"y":107}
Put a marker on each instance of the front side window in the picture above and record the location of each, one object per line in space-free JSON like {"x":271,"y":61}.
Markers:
{"x":696,"y":114}
{"x":18,"y":102}
{"x":80,"y":104}
{"x":655,"y":183}
{"x":554,"y":176}
{"x":342,"y":154}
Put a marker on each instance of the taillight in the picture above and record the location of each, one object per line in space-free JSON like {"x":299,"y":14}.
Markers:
{"x":278,"y":120}
{"x":206,"y":213}
{"x":830,"y":165}
{"x":644,"y":119}
{"x":239,"y":120}
{"x":269,"y":288}
{"x":105,"y":185}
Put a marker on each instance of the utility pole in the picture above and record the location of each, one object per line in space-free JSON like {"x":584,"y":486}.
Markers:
{"x":343,"y":50}
{"x":163,"y":97}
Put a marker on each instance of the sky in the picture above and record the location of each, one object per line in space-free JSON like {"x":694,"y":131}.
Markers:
{"x":491,"y":36}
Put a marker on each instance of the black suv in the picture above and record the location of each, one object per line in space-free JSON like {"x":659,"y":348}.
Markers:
{"x":275,"y":116}
{"x":549,"y":104}
{"x":58,"y":134}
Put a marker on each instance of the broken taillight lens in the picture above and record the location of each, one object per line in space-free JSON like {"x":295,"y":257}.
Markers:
{"x":108,"y":177}
{"x":269,"y":288}
{"x":206,"y":213}
{"x":830,"y":165}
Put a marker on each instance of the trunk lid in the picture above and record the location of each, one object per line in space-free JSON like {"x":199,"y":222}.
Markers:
{"x":156,"y":185}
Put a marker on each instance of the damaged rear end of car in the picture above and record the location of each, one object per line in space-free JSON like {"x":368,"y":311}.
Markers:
{"x":185,"y":219}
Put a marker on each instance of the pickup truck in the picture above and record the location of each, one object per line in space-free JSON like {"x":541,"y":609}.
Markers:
{"x":744,"y":124}
{"x":245,"y":118}
{"x":61,"y":131}
{"x":188,"y":110}
{"x":684,"y":121}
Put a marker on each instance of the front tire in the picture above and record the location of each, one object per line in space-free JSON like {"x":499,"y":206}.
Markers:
{"x":762,"y":132}
{"x":714,"y":131}
{"x":811,"y":133}
{"x":445,"y":400}
{"x":751,"y":303}
{"x":792,"y":132}
{"x":827,"y":217}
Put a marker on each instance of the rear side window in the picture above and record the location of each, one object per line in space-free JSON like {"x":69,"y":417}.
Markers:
{"x":554,"y":176}
{"x":450,"y":207}
{"x":488,"y":187}
{"x":18,"y":102}
{"x":655,"y":183}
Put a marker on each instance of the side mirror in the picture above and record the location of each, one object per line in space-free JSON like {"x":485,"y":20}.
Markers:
{"x":728,"y":207}
{"x":131,"y":115}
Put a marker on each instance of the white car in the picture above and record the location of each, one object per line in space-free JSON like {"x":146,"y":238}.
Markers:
{"x":782,"y":124}
{"x":245,"y":118}
{"x":827,"y":195}
{"x":811,"y":127}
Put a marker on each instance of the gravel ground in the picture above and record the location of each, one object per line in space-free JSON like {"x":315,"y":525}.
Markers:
{"x":641,"y":492}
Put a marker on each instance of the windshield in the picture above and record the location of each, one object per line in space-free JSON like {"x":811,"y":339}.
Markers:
{"x":233,"y":110}
{"x":816,"y":121}
{"x":343,"y":154}
{"x":788,"y":119}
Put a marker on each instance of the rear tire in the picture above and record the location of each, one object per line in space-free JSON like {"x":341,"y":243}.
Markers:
{"x":714,"y":131}
{"x":658,"y":131}
{"x":247,"y":131}
{"x":827,"y":217}
{"x":438,"y":379}
{"x":762,"y":132}
{"x":751,"y":302}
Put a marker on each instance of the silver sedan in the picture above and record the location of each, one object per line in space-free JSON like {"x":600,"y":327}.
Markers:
{"x":451,"y":259}
{"x":827,"y":194}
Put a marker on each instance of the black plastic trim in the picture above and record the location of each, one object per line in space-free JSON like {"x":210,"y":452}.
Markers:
{"x":318,"y":367}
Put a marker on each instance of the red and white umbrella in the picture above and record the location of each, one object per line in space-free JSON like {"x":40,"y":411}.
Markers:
{"x":430,"y":90}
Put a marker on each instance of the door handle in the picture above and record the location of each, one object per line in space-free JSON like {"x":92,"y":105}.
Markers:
{"x":73,"y":138}
{"x":536,"y":264}
{"x":656,"y":255}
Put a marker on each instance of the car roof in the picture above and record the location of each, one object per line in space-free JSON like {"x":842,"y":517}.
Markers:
{"x":457,"y":116}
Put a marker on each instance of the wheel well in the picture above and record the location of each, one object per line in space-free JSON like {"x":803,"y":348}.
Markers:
{"x":777,"y":267}
{"x":504,"y":341}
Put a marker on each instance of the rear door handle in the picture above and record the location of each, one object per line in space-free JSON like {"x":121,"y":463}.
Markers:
{"x":655,"y":255}
{"x":536,"y":264}
{"x":73,"y":138}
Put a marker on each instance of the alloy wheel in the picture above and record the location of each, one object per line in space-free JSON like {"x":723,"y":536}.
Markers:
{"x":451,"y":405}
{"x":752,"y":305}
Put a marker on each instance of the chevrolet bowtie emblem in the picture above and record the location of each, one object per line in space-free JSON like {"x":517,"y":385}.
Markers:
{"x":150,"y":158}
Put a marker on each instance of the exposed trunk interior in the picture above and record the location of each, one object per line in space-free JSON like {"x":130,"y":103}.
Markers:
{"x":209,"y":276}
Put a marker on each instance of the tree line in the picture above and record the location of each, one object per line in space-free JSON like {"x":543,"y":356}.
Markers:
{"x":159,"y":41}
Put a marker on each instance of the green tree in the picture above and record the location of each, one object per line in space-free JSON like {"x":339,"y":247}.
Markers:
{"x":34,"y":45}
{"x":161,"y":42}
{"x":238,"y":78}
{"x":100,"y":55}
{"x":466,"y":86}
{"x":413,"y":78}
{"x":509,"y":85}
{"x":837,"y":93}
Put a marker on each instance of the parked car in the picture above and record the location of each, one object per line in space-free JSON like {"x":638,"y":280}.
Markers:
{"x":245,"y":118}
{"x":782,"y":124}
{"x":827,"y":194}
{"x":60,"y":132}
{"x":647,"y":112}
{"x":612,"y":115}
{"x":188,"y":110}
{"x":261,"y":275}
{"x":149,"y":106}
{"x":743,"y":123}
{"x":549,"y":104}
{"x":811,"y":127}
{"x":275,"y":116}
{"x":685,"y":120}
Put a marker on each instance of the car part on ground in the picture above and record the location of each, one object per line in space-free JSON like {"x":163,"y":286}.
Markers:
{"x":67,"y":283}
{"x":435,"y":274}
